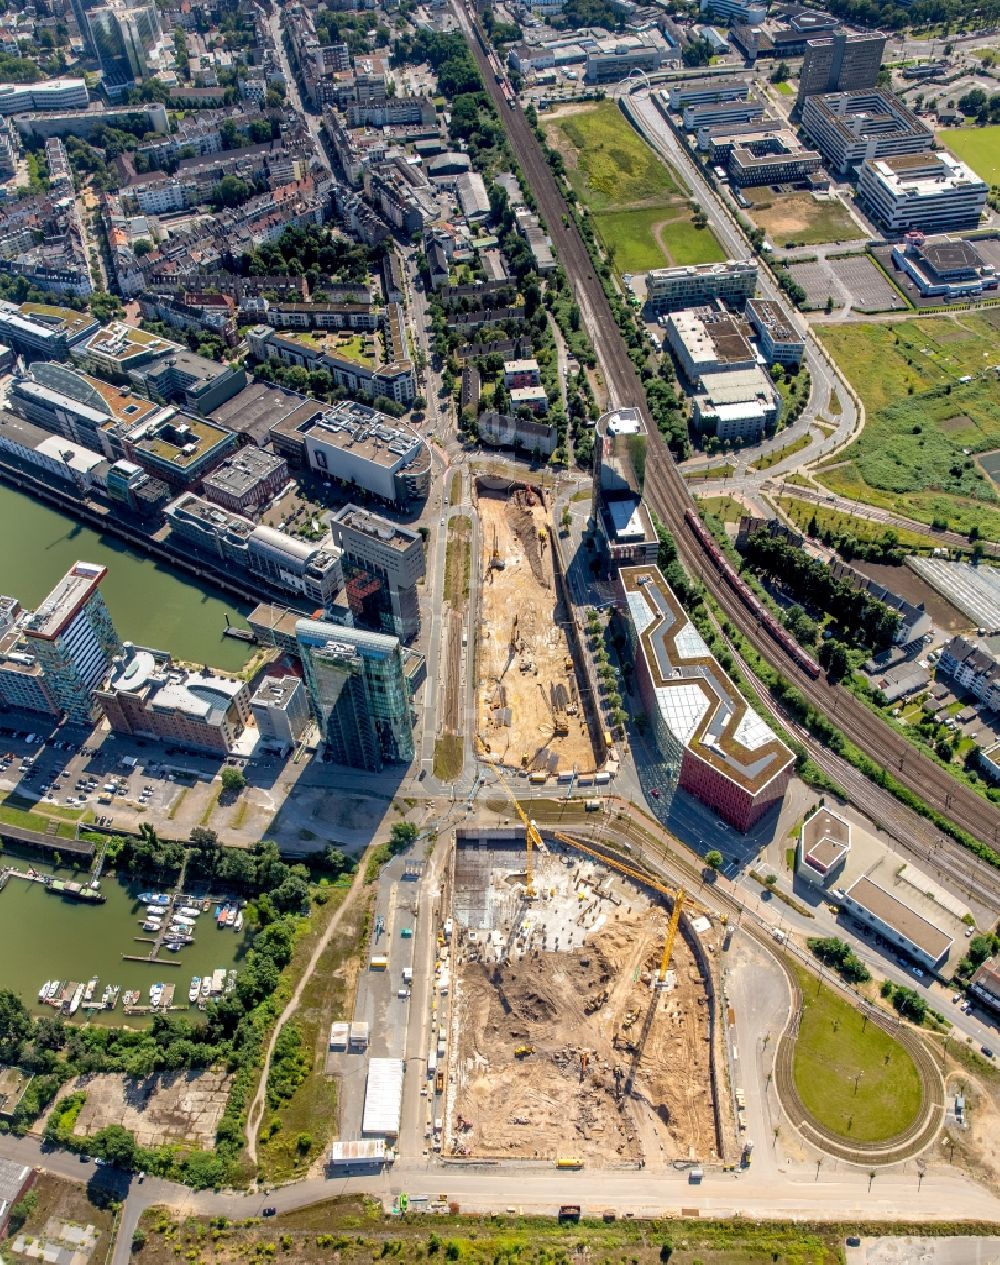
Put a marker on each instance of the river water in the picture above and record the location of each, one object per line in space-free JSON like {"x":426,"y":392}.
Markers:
{"x":150,"y":603}
{"x":45,"y":937}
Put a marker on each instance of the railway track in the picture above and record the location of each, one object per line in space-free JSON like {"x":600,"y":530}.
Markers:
{"x":667,"y":493}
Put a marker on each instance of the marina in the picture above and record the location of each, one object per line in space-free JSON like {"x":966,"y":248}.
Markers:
{"x":91,"y":961}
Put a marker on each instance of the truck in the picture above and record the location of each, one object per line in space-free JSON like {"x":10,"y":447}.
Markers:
{"x":747,"y":1154}
{"x":439,"y":1081}
{"x":592,"y":805}
{"x":407,"y":974}
{"x":379,"y":964}
{"x":695,"y":1175}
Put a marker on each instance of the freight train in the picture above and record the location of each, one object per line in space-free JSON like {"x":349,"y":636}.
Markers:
{"x":750,"y":599}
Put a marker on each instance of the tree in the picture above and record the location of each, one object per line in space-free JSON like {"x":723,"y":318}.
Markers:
{"x":402,"y":835}
{"x":15,"y":1025}
{"x":714,"y":860}
{"x":115,"y":1144}
{"x":233,"y":780}
{"x":833,"y":656}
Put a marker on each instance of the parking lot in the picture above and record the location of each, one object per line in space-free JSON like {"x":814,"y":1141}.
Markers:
{"x":854,"y":277}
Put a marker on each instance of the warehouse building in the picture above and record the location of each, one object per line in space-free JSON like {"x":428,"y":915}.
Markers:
{"x":714,"y":746}
{"x":898,"y":923}
{"x":929,"y":193}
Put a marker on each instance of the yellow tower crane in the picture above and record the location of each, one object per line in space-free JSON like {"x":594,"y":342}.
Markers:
{"x":533,"y":839}
{"x":531,"y":836}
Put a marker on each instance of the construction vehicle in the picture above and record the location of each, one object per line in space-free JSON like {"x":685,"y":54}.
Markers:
{"x":533,"y":839}
{"x":747,"y":1155}
{"x":522,"y":1051}
{"x":439,"y":1081}
{"x":496,"y":561}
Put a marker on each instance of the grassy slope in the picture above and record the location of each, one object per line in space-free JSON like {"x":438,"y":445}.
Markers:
{"x":834,"y":1046}
{"x":913,"y":443}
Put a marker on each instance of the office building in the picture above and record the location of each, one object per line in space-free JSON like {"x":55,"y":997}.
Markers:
{"x":527,"y":433}
{"x":709,"y":91}
{"x":22,"y":685}
{"x":737,"y":404}
{"x":74,"y":405}
{"x":280,"y":706}
{"x":952,"y":268}
{"x":357,"y":445}
{"x":49,"y":458}
{"x":40,"y":329}
{"x":358,"y":694}
{"x":73,"y":640}
{"x":50,"y":94}
{"x":624,"y":527}
{"x":849,"y":127}
{"x":930,"y":193}
{"x":247,"y":481}
{"x":707,"y":341}
{"x":712,"y":744}
{"x":770,"y":157}
{"x":178,"y":448}
{"x":750,"y":11}
{"x":668,"y":289}
{"x":780,"y":342}
{"x":383,"y":563}
{"x":841,"y":62}
{"x":824,"y":845}
{"x":121,"y":35}
{"x":144,"y":694}
{"x":724,"y":114}
{"x":310,"y":571}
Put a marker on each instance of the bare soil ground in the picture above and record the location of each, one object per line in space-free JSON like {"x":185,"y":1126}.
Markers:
{"x":180,"y":1107}
{"x":618,"y":1071}
{"x":528,"y":683}
{"x":976,"y":1148}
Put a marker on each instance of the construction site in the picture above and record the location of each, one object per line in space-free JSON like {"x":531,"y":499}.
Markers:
{"x":581,"y":1016}
{"x":529,"y":714}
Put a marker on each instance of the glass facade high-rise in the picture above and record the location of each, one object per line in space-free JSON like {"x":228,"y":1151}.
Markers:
{"x":358,"y":693}
{"x":73,"y":640}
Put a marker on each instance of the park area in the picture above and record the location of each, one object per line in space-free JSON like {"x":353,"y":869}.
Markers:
{"x":801,"y":219}
{"x":851,"y":1076}
{"x":924,"y":424}
{"x":639,"y":209}
{"x":977,"y":146}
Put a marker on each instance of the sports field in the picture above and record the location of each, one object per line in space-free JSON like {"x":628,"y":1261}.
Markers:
{"x":639,"y":209}
{"x":978,"y":146}
{"x":924,"y":425}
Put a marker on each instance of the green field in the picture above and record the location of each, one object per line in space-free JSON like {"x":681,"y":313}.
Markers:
{"x":639,"y":209}
{"x":614,"y":166}
{"x":840,"y":524}
{"x":923,"y":425}
{"x":978,"y":146}
{"x":851,"y":1076}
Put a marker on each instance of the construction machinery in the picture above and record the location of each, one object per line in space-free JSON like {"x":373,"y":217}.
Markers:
{"x":496,"y":561}
{"x":522,"y":1051}
{"x":674,"y":896}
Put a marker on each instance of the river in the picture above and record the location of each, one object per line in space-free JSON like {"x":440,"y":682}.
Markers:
{"x":150,"y":603}
{"x":44,"y":937}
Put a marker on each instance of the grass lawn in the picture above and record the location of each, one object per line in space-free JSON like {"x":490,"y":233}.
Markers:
{"x":725,"y":470}
{"x":690,"y":245}
{"x":354,"y":1231}
{"x":628,"y":236}
{"x":638,"y":206}
{"x":614,"y":166}
{"x":458,"y":560}
{"x":924,"y":426}
{"x":978,"y":146}
{"x":785,"y":88}
{"x":779,"y":454}
{"x":448,"y":757}
{"x":725,"y":508}
{"x":839,"y":524}
{"x":799,"y":217}
{"x":834,"y":1047}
